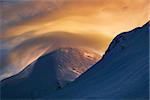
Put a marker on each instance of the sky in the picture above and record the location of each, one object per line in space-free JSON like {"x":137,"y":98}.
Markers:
{"x":30,"y":28}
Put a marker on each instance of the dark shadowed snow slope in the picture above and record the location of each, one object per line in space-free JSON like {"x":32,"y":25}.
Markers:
{"x":49,"y":73}
{"x":122,"y":74}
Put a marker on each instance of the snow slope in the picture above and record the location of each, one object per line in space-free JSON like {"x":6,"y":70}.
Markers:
{"x":122,"y":74}
{"x":49,"y":73}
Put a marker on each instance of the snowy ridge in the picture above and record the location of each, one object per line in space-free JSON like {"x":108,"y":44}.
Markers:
{"x":123,"y":73}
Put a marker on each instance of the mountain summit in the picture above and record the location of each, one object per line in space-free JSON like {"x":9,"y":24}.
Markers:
{"x":49,"y":73}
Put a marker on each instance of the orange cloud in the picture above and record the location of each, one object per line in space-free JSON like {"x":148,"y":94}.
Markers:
{"x":30,"y":25}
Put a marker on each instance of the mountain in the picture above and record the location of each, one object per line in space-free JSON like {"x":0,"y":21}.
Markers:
{"x":49,"y":73}
{"x":122,"y":74}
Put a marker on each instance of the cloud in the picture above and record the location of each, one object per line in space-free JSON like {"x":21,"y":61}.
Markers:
{"x":31,"y":49}
{"x":107,"y":13}
{"x":30,"y":28}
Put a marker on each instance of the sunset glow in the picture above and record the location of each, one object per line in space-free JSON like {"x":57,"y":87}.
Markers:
{"x":31,"y":28}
